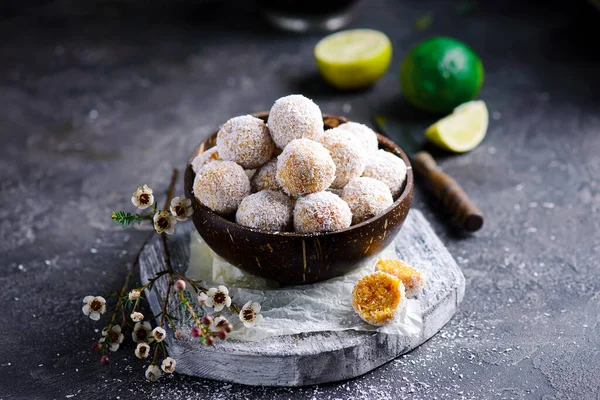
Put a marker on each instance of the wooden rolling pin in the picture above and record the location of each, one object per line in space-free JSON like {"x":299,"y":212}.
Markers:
{"x":449,"y":192}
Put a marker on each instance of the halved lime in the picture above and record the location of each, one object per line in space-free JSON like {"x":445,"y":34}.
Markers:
{"x":462,"y":130}
{"x":353,"y":59}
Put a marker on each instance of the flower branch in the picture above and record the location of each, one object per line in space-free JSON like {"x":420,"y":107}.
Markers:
{"x":151,"y":341}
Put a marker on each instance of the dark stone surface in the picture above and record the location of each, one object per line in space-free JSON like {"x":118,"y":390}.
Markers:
{"x":98,"y":100}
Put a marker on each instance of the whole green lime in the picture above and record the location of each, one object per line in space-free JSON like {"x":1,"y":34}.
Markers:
{"x":441,"y":73}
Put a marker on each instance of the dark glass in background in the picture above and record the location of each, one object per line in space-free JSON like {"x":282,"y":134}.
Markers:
{"x":307,"y":15}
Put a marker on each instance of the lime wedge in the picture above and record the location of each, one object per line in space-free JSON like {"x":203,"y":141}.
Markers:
{"x":462,"y":130}
{"x":353,"y":59}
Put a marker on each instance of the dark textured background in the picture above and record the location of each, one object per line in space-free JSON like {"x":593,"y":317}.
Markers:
{"x":97,"y":98}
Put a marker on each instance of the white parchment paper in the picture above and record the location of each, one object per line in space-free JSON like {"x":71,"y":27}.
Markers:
{"x":323,"y":306}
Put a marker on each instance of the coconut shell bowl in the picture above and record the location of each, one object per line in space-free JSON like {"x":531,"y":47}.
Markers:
{"x":295,"y":258}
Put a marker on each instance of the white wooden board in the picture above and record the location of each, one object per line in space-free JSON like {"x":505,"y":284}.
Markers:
{"x":317,"y":357}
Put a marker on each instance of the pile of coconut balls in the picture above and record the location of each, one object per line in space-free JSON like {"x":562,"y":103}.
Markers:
{"x":292,"y":175}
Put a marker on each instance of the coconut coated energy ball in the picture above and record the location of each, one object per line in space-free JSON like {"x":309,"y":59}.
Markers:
{"x":245,"y":140}
{"x":379,"y":298}
{"x":201,"y":160}
{"x":367,"y":198}
{"x":321,"y":212}
{"x":347,"y":154}
{"x":364,"y":134}
{"x":221,"y":186}
{"x":266,"y":177}
{"x":268,"y":210}
{"x":387,"y":168}
{"x":294,"y":117}
{"x":304,"y":167}
{"x":411,"y":278}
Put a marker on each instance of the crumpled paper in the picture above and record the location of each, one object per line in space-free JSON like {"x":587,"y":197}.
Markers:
{"x":323,"y":306}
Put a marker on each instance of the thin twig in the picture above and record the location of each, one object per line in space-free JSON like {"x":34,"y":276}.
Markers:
{"x":164,"y":307}
{"x":166,"y":253}
{"x":126,"y":283}
{"x":137,"y":257}
{"x":190,"y":281}
{"x":191,"y":310}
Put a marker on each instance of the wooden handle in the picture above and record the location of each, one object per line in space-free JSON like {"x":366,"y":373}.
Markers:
{"x":449,"y":192}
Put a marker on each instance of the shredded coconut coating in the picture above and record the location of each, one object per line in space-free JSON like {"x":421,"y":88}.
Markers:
{"x":347,"y":154}
{"x":201,"y":160}
{"x":321,"y":212}
{"x":221,"y":186}
{"x":364,"y":134}
{"x":266,"y":177}
{"x":387,"y":168}
{"x":304,"y":167}
{"x":268,"y":210}
{"x":245,"y":140}
{"x":379,"y":298}
{"x":294,"y":117}
{"x":411,"y":278}
{"x":367,"y":198}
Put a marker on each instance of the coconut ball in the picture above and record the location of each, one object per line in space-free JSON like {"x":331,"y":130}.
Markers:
{"x":364,"y":134}
{"x":294,"y":117}
{"x":379,"y":298}
{"x":366,"y":197}
{"x":321,"y":212}
{"x":268,"y":210}
{"x":304,"y":167}
{"x":412,"y":279}
{"x":221,"y":186}
{"x":387,"y":168}
{"x":347,"y":154}
{"x":245,"y":140}
{"x":266,"y":177}
{"x":201,"y":160}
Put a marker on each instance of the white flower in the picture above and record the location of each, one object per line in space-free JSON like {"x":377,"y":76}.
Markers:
{"x":137,"y":316}
{"x":181,"y":208}
{"x":158,"y":334}
{"x":202,"y":297}
{"x":219,"y":323}
{"x":143,"y":198}
{"x":141,"y":332}
{"x":168,"y":365}
{"x":164,"y":222}
{"x":94,"y":306}
{"x":134,"y":294}
{"x":153,"y":373}
{"x":250,"y":314}
{"x":218,"y":298}
{"x":142,"y":350}
{"x":115,"y":337}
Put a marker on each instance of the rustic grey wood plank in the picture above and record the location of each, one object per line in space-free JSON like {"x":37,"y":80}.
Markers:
{"x":318,"y":357}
